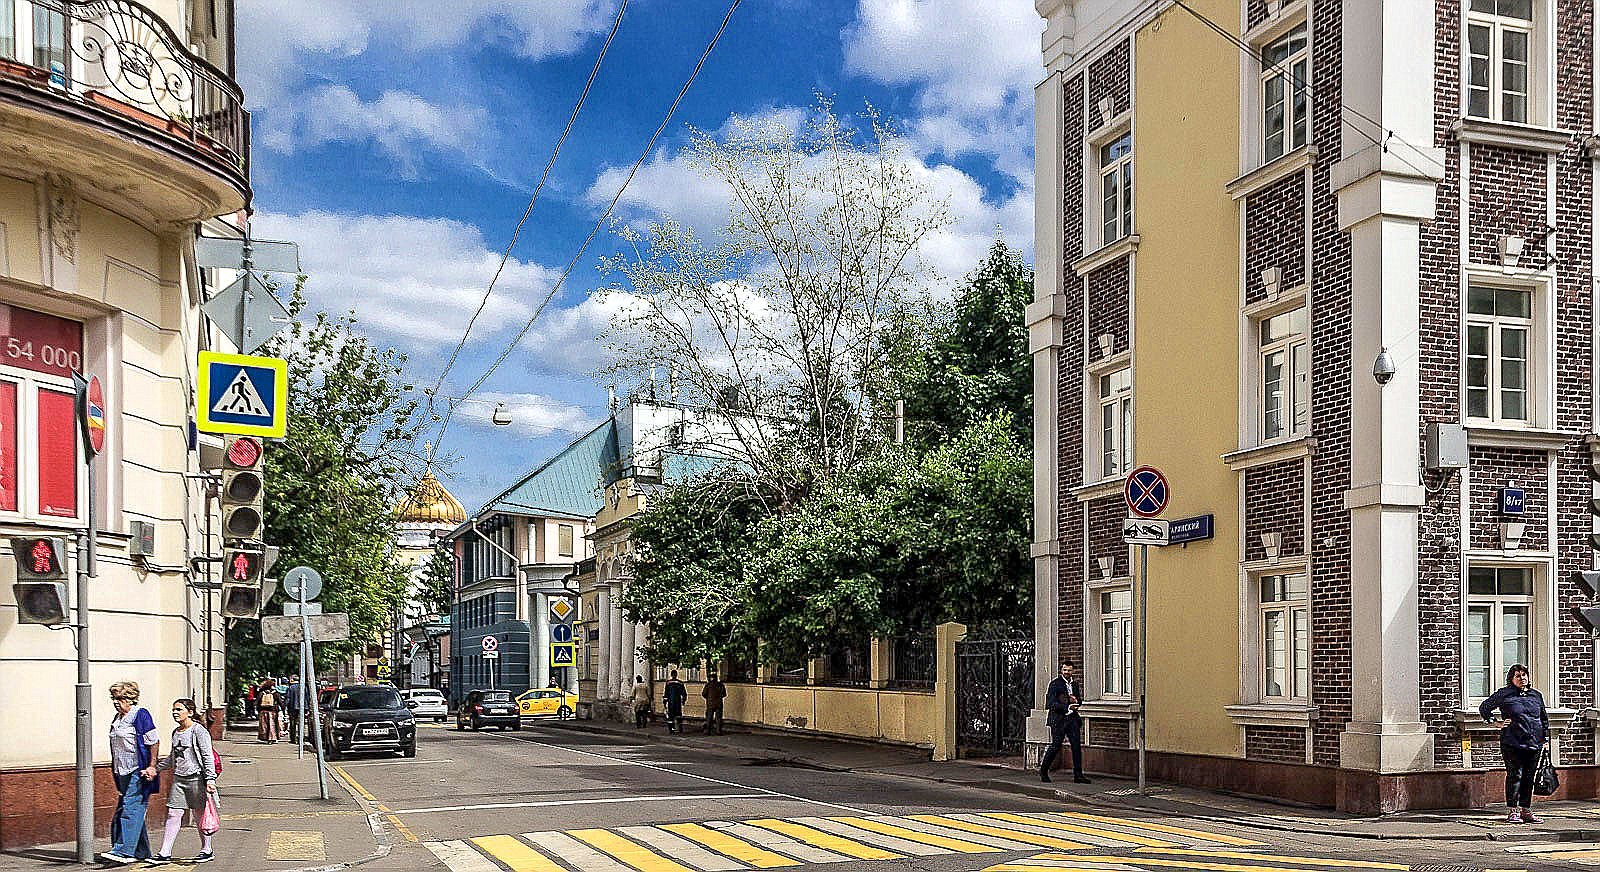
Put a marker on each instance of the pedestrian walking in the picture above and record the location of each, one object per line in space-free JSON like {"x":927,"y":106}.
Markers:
{"x":135,"y":745}
{"x":250,"y":699}
{"x":1524,"y":733}
{"x":194,"y":779}
{"x":267,"y":707}
{"x":714,"y":693}
{"x":674,"y":697}
{"x":641,"y":701}
{"x":1062,"y":700}
{"x":292,"y":704}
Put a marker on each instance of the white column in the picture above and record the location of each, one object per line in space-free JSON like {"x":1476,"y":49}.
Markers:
{"x":1384,"y":194}
{"x":619,"y":664}
{"x":541,"y":641}
{"x":641,"y":637}
{"x":630,"y":647}
{"x":603,"y":679}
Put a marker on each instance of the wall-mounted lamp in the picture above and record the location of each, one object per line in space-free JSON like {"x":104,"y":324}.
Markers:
{"x":1272,"y":544}
{"x":1511,"y":534}
{"x":1107,"y":566}
{"x":1107,"y":343}
{"x":1105,"y":105}
{"x":1272,"y":281}
{"x":1510,"y":250}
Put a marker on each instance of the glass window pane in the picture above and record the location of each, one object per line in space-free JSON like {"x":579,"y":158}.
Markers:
{"x":1478,"y":100}
{"x":1116,"y":601}
{"x":8,"y":31}
{"x":1109,"y":658}
{"x":1302,"y":387}
{"x":1295,"y":587}
{"x":1302,"y":654}
{"x":1481,"y":581}
{"x":1514,"y":45}
{"x":1127,"y":198}
{"x":1514,"y":636}
{"x":1480,"y":300}
{"x":1108,"y":435}
{"x":1274,"y":645}
{"x":1483,"y":6}
{"x":1298,"y":104}
{"x":1514,"y":107}
{"x":1522,"y":9}
{"x":1127,"y":432}
{"x":1514,"y":582}
{"x":1512,"y":303}
{"x":1272,"y":385}
{"x":50,"y":43}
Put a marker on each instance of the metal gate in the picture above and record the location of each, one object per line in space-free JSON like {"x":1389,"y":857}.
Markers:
{"x":994,"y":692}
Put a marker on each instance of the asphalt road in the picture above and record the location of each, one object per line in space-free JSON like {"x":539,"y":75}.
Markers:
{"x":551,"y":798}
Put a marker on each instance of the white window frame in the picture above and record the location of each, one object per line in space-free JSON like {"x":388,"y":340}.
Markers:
{"x":1295,"y":72}
{"x":29,"y":383}
{"x":1540,"y":374}
{"x":1539,"y":66}
{"x":1121,"y":404}
{"x":1118,"y":175}
{"x":1116,"y":627}
{"x":1094,"y":669}
{"x":1296,"y":350}
{"x":1497,"y":604}
{"x":1297,"y":660}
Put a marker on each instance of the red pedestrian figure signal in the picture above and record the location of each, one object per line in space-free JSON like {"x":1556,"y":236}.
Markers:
{"x":44,"y":557}
{"x":241,"y":567}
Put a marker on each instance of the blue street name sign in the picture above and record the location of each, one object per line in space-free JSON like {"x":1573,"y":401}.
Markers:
{"x":1513,"y":501}
{"x":1189,"y":530}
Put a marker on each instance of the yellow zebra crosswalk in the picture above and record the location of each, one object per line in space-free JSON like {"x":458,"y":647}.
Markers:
{"x":1200,"y":859}
{"x":770,"y":843}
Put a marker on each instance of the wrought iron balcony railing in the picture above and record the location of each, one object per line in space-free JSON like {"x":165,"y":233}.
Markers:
{"x":121,"y":56}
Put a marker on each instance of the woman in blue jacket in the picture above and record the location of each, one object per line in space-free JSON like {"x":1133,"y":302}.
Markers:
{"x":135,"y":745}
{"x":1524,"y":731}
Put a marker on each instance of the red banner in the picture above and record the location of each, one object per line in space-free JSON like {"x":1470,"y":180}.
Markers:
{"x":42,"y":343}
{"x":9,"y":446}
{"x":58,"y":454}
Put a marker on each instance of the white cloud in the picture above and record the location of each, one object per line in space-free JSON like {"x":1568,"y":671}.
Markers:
{"x":973,"y":63}
{"x":412,"y":280}
{"x":402,"y":124}
{"x":531,"y":414}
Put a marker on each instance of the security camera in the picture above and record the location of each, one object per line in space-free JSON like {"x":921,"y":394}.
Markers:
{"x":1383,"y":368}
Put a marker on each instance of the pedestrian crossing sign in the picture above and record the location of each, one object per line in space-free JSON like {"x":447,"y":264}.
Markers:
{"x":563,"y":654}
{"x":243,"y":395}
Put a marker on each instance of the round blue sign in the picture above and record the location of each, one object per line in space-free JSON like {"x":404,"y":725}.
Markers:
{"x":1146,"y":492}
{"x":560,"y":634}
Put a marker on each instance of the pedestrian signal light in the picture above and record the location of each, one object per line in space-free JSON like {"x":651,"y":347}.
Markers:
{"x":41,"y":593}
{"x":242,"y":490}
{"x":241,"y":583}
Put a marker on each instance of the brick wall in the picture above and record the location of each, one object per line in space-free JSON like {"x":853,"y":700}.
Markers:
{"x":1109,"y":77}
{"x":1255,"y":12}
{"x":1108,"y":307}
{"x":1274,"y":501}
{"x":1107,"y":733}
{"x":1105,"y":535}
{"x":1278,"y":744}
{"x":1275,"y":235}
{"x":1330,"y":397}
{"x":1506,"y":197}
{"x":1069,"y":394}
{"x":1494,"y":468}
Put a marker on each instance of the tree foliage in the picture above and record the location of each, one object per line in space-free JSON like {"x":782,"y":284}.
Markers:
{"x":332,"y":484}
{"x":437,"y":578}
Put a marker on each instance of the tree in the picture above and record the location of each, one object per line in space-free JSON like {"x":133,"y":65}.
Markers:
{"x":779,"y":321}
{"x":333,"y":482}
{"x":437,"y":578}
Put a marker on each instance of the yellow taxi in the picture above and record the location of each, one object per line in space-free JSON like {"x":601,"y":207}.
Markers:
{"x":547,"y":701}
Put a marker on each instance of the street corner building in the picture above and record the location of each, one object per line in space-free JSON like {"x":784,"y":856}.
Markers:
{"x":121,"y":133}
{"x":1329,"y":266}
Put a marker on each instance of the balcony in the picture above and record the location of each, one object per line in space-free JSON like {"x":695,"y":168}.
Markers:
{"x":106,"y":92}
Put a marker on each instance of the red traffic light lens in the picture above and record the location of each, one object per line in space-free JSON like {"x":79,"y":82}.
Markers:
{"x":244,"y":452}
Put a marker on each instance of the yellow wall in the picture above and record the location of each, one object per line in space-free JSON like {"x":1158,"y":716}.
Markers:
{"x":900,"y":717}
{"x":1186,"y":315}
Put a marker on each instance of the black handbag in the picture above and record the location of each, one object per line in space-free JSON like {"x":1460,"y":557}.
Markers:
{"x":1545,"y":780}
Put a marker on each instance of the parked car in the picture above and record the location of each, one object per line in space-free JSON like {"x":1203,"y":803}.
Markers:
{"x":425,"y":702}
{"x":547,"y":701}
{"x":365,"y":717}
{"x":488,"y":708}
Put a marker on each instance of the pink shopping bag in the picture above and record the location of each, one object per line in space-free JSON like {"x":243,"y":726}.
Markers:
{"x":210,"y":820}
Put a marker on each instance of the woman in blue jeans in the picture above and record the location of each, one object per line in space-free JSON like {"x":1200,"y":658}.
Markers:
{"x":135,"y":744}
{"x":1524,"y":731}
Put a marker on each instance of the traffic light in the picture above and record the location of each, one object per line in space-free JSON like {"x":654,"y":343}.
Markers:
{"x":41,"y":590}
{"x":242,"y":490}
{"x":241,"y":581}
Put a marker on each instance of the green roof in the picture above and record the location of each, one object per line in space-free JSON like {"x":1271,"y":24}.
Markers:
{"x":566,"y":484}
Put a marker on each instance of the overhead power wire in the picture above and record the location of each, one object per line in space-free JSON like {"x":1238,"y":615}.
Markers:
{"x":594,"y":231}
{"x":1249,"y":50}
{"x":505,"y":257}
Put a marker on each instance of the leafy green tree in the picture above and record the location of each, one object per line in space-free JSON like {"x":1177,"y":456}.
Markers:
{"x":333,"y":482}
{"x":438,"y":581}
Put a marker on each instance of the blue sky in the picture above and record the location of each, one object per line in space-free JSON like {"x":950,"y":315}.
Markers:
{"x":399,"y":141}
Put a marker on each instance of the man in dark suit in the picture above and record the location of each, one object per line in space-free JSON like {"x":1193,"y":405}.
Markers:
{"x":1062,"y":699}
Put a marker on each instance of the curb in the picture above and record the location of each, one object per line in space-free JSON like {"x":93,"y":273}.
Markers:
{"x":379,"y":833}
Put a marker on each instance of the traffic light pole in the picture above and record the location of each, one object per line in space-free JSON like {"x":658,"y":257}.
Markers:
{"x":309,"y":665}
{"x":82,"y":691}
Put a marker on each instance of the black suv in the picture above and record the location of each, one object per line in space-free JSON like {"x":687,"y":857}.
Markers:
{"x":365,"y":717}
{"x":488,"y":708}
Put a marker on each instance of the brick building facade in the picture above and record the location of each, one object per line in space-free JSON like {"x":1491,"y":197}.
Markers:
{"x":1432,"y":210}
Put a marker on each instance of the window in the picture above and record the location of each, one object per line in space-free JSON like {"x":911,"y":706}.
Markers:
{"x":1285,"y":637}
{"x":8,"y":31}
{"x":1499,"y":39}
{"x":39,"y":465}
{"x":1499,"y":629}
{"x":564,"y":540}
{"x":1285,"y":75}
{"x":1499,"y":321}
{"x":1116,"y":189}
{"x":50,"y":43}
{"x":1116,"y":642}
{"x":1285,"y":367}
{"x":1116,"y":422}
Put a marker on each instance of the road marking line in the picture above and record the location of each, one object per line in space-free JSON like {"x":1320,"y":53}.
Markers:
{"x":776,"y":842}
{"x":305,"y":845}
{"x":1131,"y":823}
{"x":1115,"y":839}
{"x":547,"y":803}
{"x":682,"y":849}
{"x":735,"y":848}
{"x":1559,"y":846}
{"x":827,"y":841}
{"x":890,"y":840}
{"x":458,"y":857}
{"x":289,"y":815}
{"x":985,"y":829}
{"x":995,"y":842}
{"x":1304,"y":861}
{"x":392,"y":763}
{"x":354,"y":784}
{"x":1231,"y":867}
{"x":511,"y":851}
{"x":533,"y":741}
{"x":635,"y":855}
{"x":572,"y":851}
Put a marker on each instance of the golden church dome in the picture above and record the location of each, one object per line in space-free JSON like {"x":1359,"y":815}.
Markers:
{"x":430,"y":503}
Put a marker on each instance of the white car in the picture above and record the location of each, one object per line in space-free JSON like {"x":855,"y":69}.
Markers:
{"x":425,"y":702}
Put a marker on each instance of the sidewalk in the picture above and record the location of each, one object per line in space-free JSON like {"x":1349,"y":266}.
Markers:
{"x":271,"y":818}
{"x":1562,"y":821}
